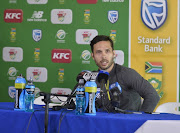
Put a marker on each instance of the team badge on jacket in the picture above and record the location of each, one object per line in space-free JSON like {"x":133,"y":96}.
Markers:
{"x":154,"y":13}
{"x":113,"y":16}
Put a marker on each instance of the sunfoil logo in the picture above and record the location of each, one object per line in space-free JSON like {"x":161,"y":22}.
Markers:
{"x":154,"y":13}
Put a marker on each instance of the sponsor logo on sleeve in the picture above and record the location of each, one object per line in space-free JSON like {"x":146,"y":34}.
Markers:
{"x":61,"y":16}
{"x":61,"y":55}
{"x":84,"y":36}
{"x":154,"y":13}
{"x":39,"y":74}
{"x":13,"y":15}
{"x":12,"y":54}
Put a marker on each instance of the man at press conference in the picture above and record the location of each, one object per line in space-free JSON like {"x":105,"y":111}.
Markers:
{"x":133,"y":85}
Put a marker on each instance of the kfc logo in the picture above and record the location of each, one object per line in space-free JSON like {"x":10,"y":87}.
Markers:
{"x":61,"y":56}
{"x":13,"y":15}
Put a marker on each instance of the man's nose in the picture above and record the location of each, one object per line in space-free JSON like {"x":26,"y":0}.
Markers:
{"x":104,"y":55}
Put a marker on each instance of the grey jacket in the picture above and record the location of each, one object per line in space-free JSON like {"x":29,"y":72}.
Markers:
{"x":134,"y":86}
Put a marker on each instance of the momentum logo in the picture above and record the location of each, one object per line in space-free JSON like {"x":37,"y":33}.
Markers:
{"x":13,"y":15}
{"x":61,"y":55}
{"x":154,"y":13}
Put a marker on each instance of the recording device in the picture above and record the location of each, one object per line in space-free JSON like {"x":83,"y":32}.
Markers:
{"x":115,"y":92}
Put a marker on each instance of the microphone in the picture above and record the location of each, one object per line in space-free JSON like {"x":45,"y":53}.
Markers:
{"x":115,"y":92}
{"x":102,"y":79}
{"x":81,"y":74}
{"x":90,"y":75}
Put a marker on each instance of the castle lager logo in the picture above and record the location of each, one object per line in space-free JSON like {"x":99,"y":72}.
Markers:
{"x":154,"y":13}
{"x":13,"y":15}
{"x":39,"y":74}
{"x":12,"y":54}
{"x":84,"y":36}
{"x":61,"y":55}
{"x":61,"y":16}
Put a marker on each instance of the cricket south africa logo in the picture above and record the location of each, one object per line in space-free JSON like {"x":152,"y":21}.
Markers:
{"x":154,"y":13}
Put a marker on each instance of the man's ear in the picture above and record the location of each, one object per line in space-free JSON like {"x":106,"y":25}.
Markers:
{"x":92,"y":55}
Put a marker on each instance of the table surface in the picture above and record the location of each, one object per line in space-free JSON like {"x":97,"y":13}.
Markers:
{"x":17,"y":121}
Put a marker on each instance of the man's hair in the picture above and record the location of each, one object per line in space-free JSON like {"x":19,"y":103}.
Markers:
{"x":99,"y":38}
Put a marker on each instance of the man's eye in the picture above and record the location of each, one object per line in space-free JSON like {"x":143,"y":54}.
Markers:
{"x":98,"y":52}
{"x":107,"y":51}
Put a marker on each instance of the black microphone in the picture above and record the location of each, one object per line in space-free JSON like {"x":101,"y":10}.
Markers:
{"x":102,"y":79}
{"x":80,"y":75}
{"x":115,"y":94}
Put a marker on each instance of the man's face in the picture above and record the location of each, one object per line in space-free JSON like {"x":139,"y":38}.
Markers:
{"x":103,"y":55}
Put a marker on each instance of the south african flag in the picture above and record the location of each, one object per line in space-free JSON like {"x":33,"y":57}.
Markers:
{"x":153,"y":67}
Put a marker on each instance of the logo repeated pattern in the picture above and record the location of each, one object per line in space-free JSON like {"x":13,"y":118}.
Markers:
{"x":70,"y":32}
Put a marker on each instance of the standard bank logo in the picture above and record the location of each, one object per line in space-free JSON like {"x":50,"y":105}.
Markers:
{"x":113,"y":16}
{"x":154,"y":13}
{"x":37,"y":34}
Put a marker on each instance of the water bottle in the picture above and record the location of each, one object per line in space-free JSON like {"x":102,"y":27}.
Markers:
{"x":90,"y":94}
{"x":20,"y":83}
{"x":29,"y":96}
{"x":80,"y":98}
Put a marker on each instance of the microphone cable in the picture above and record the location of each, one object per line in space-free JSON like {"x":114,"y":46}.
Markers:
{"x":30,"y":120}
{"x":62,"y":116}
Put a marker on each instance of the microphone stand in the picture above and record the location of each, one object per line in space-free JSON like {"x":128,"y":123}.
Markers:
{"x":46,"y":101}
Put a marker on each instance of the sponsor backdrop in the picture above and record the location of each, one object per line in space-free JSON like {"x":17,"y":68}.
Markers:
{"x":48,"y":40}
{"x":154,"y":45}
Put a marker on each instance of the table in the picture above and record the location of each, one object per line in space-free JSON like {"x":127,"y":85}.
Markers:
{"x":17,"y":121}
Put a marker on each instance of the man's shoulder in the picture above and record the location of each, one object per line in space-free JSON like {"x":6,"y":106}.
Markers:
{"x":123,"y":68}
